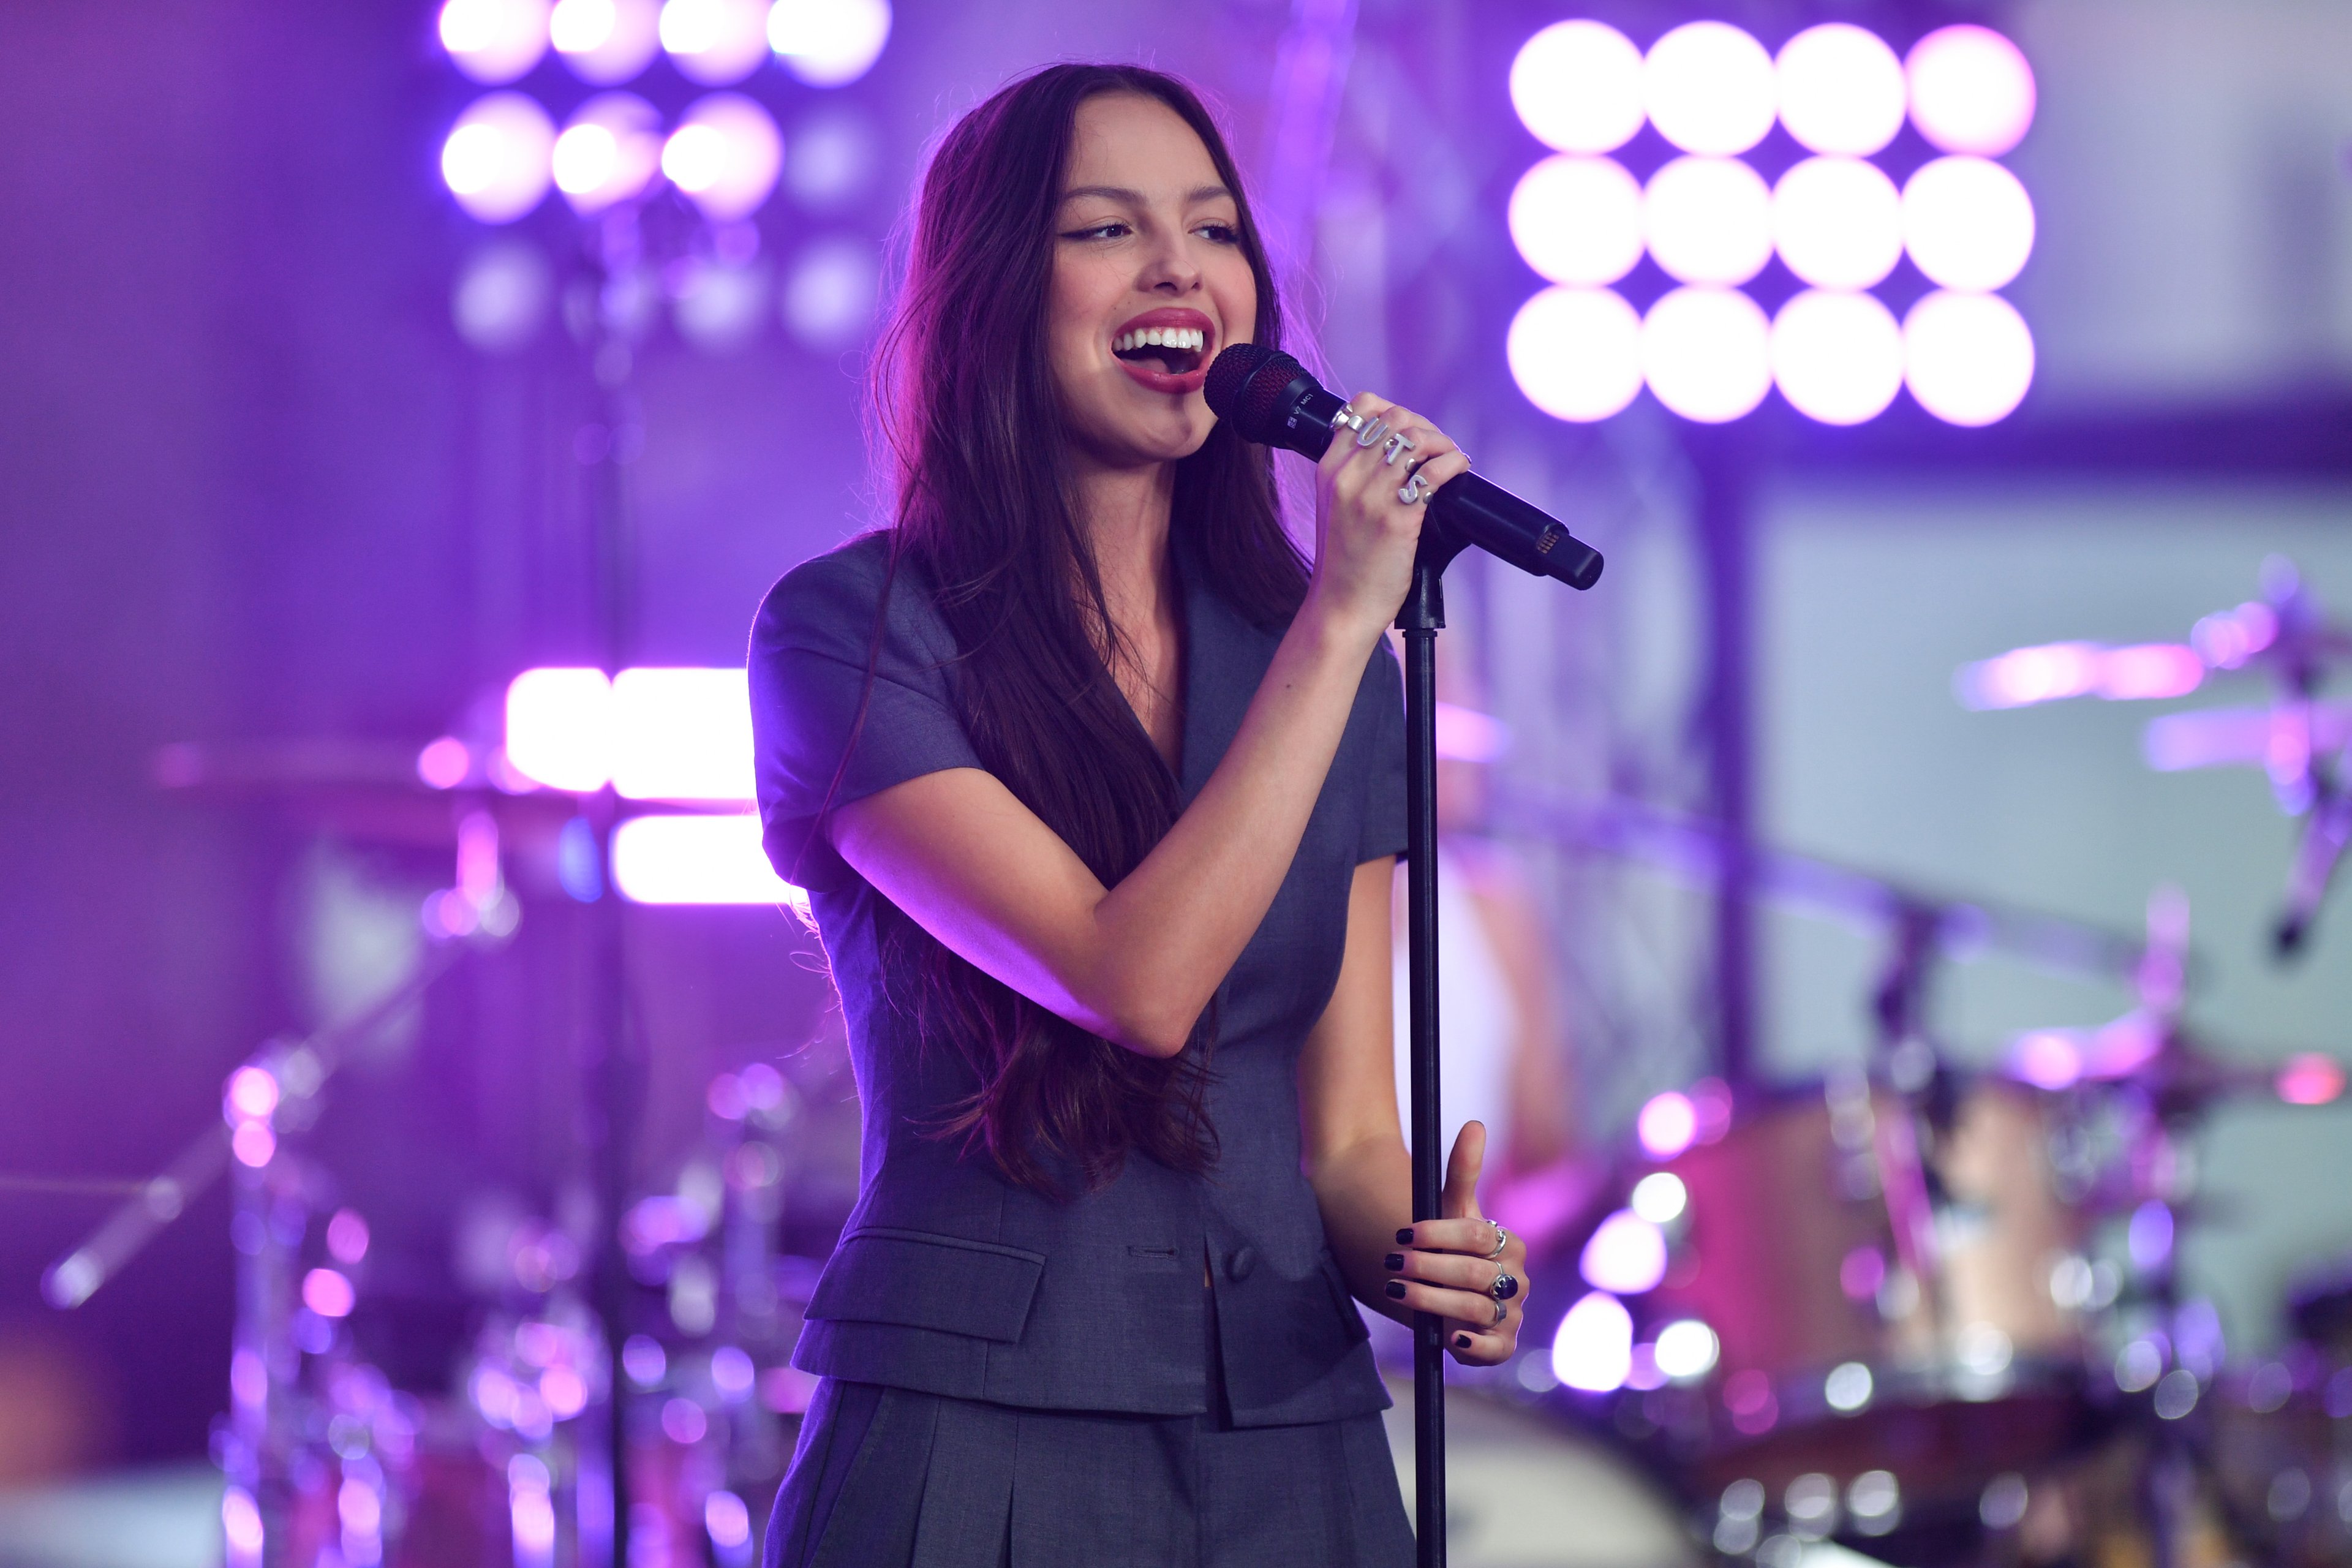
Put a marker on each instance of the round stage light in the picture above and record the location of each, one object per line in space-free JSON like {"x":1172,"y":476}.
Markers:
{"x":1967,"y":223}
{"x":1577,"y":87}
{"x":494,"y":41}
{"x":1707,"y":352}
{"x":605,"y":42}
{"x":1837,"y":357}
{"x":1840,"y":89}
{"x":725,"y":155}
{"x":499,"y":305}
{"x":1709,"y":220}
{"x":608,"y":152}
{"x":1577,"y":220}
{"x":714,"y":42}
{"x":1576,"y":352}
{"x":1971,"y":90}
{"x":1838,"y":223}
{"x":829,"y":43}
{"x":832,"y":158}
{"x":1967,"y":358}
{"x":498,"y":157}
{"x":828,"y":301}
{"x":1708,"y":88}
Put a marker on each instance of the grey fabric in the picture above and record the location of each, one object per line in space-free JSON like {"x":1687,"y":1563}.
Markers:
{"x":888,"y":1477}
{"x":949,"y":1280}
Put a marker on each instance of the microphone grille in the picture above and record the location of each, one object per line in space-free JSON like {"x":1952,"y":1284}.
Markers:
{"x":1227,"y":373}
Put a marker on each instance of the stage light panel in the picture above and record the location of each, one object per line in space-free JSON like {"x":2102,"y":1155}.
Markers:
{"x":1576,"y":352}
{"x":608,"y":152}
{"x":1967,"y":358}
{"x":1971,"y":90}
{"x":829,"y":43}
{"x":1577,"y":220}
{"x":1708,"y":88}
{"x":1967,"y":223}
{"x":1837,"y":357}
{"x":1838,"y":223}
{"x":1577,"y":87}
{"x":494,"y":41}
{"x":681,"y":734}
{"x":1708,"y":220}
{"x":1840,"y":89}
{"x":559,"y":724}
{"x":696,"y":860}
{"x":498,"y":159}
{"x":1707,"y":354}
{"x":714,"y":42}
{"x":725,"y":155}
{"x":605,"y":42}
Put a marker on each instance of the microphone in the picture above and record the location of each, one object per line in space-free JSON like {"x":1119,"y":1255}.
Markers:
{"x":1273,"y":399}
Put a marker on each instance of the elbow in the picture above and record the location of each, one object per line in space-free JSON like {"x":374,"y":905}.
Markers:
{"x":1160,"y":1032}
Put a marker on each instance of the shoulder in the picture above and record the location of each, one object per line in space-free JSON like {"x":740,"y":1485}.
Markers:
{"x":830,"y":603}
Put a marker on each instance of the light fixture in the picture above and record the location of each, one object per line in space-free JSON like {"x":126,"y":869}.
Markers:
{"x":1576,"y":352}
{"x":1707,"y":354}
{"x":608,"y":152}
{"x":1967,"y":223}
{"x":494,"y":41}
{"x":725,"y":155}
{"x":1840,"y":89}
{"x":1577,"y":86}
{"x":1837,"y":357}
{"x":829,"y":43}
{"x":497,"y":160}
{"x":1967,"y":358}
{"x":714,"y":859}
{"x":1709,"y":220}
{"x":605,"y":42}
{"x":1971,"y":90}
{"x":714,"y":42}
{"x":1838,"y":223}
{"x":1577,"y":219}
{"x":1708,"y":88}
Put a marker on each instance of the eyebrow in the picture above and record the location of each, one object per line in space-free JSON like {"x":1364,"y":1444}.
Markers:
{"x":1136,"y":198}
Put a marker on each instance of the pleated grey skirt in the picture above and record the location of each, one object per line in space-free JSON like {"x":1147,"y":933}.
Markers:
{"x":887,"y":1477}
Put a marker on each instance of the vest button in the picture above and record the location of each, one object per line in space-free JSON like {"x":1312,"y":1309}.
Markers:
{"x":1238,"y":1265}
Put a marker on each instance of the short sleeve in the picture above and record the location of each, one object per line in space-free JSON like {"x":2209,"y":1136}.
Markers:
{"x":837,"y":714}
{"x":1384,"y":823}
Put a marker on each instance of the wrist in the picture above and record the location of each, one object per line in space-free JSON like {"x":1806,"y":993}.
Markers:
{"x":1339,"y":629}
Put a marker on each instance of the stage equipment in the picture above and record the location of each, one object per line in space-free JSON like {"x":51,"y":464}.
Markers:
{"x":1836,"y":221}
{"x":1270,"y":398}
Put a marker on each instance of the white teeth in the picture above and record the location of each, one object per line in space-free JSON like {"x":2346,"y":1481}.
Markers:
{"x":1190,"y":338}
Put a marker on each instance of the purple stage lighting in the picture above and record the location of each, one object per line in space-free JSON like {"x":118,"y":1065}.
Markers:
{"x":725,"y":155}
{"x":1576,"y":354}
{"x":605,"y":42}
{"x":1577,"y":87}
{"x":696,"y":860}
{"x":1707,"y":354}
{"x":1626,"y":1255}
{"x":2310,"y":1078}
{"x":1837,"y":357}
{"x":1708,"y":88}
{"x":1666,"y":1125}
{"x":1840,"y":89}
{"x":1688,"y":1350}
{"x":1967,"y":223}
{"x":1577,"y":219}
{"x":681,"y":734}
{"x":1838,"y":223}
{"x":829,"y":298}
{"x":1709,"y":220}
{"x":499,"y":156}
{"x":714,"y":42}
{"x":2054,"y":671}
{"x":608,"y":152}
{"x":328,"y":1292}
{"x":829,"y":43}
{"x":559,"y":728}
{"x":1971,"y":90}
{"x":1967,"y":358}
{"x":494,"y":41}
{"x":1592,"y":1351}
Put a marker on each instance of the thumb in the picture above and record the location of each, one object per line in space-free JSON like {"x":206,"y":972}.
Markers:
{"x":1460,"y":1200}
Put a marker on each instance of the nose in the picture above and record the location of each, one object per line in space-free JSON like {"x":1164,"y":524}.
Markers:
{"x":1170,"y":268}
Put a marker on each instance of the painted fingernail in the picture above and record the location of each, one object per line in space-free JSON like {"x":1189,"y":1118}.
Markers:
{"x":1462,"y":1341}
{"x":1393,"y":1261}
{"x":1404,"y":1236}
{"x":1396,"y":1289}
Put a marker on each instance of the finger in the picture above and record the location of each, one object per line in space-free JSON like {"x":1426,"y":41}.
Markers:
{"x":1468,"y":1308}
{"x":1455,"y":1271}
{"x":1475,"y":1236}
{"x":1460,"y":1200}
{"x":1439,"y":469}
{"x":1491,"y":1348}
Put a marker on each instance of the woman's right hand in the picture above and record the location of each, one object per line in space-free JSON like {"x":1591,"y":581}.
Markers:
{"x":1364,"y":535}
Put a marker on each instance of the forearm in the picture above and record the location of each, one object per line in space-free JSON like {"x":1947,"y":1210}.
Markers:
{"x":1365,"y":1193}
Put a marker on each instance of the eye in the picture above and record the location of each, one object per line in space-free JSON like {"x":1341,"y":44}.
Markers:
{"x":1097,"y":231}
{"x":1222,"y":233}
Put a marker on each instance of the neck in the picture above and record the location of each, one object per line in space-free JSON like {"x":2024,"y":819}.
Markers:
{"x":1126,"y":514}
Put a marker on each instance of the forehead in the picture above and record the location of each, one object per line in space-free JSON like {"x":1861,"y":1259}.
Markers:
{"x":1130,"y":142}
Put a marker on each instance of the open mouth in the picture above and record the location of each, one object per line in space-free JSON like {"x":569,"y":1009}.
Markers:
{"x":1176,"y":351}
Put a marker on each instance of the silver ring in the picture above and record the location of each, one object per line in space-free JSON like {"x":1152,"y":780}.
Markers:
{"x":1502,"y":1240}
{"x":1398,"y":445}
{"x":1347,"y":419}
{"x":1501,"y":1312}
{"x":1415,"y":491}
{"x":1369,"y":435}
{"x":1504,"y":1286}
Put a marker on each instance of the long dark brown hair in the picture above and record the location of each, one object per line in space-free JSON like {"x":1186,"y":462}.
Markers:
{"x":973,"y":441}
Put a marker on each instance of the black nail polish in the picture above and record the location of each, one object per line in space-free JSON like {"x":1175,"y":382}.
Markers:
{"x":1396,"y":1289}
{"x":1404,"y":1236}
{"x":1393,"y":1261}
{"x":1462,"y":1341}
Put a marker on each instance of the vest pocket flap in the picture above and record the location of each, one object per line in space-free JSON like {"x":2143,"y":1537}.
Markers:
{"x":924,"y":1281}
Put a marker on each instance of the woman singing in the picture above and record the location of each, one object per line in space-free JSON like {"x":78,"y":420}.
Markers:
{"x":1096,"y":788}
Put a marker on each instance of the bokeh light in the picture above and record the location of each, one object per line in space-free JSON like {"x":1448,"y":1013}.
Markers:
{"x":701,"y":859}
{"x":1708,"y":88}
{"x":1840,"y":89}
{"x":1577,"y":219}
{"x":498,"y":159}
{"x":1971,"y":90}
{"x":1577,"y":87}
{"x":829,"y":298}
{"x":1667,"y":1124}
{"x":1592,"y":1351}
{"x":1967,"y":223}
{"x":829,"y":43}
{"x":605,"y":42}
{"x":1688,"y":1348}
{"x":832,"y":159}
{"x":608,"y":152}
{"x":1838,"y":223}
{"x":1659,"y":1197}
{"x":714,"y":42}
{"x":328,"y":1292}
{"x":725,"y":155}
{"x":1837,"y":357}
{"x":494,"y":41}
{"x":500,"y":303}
{"x":1625,"y":1255}
{"x":559,"y":727}
{"x":1967,"y":358}
{"x":681,"y":734}
{"x":1576,"y":352}
{"x":1705,"y":352}
{"x":720,"y":308}
{"x":1708,"y":220}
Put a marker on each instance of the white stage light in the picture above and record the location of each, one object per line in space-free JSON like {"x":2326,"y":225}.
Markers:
{"x":696,"y":860}
{"x":714,"y":42}
{"x":1592,"y":1349}
{"x":1838,"y":223}
{"x":1709,"y":220}
{"x":1707,"y":354}
{"x":1708,"y":88}
{"x":559,"y":728}
{"x":681,"y":734}
{"x":829,"y":43}
{"x":830,"y":296}
{"x":497,"y":158}
{"x":1967,"y":358}
{"x":605,"y":42}
{"x":494,"y":41}
{"x":1577,"y":87}
{"x":608,"y":152}
{"x":725,"y":155}
{"x":1971,"y":90}
{"x":1967,"y":223}
{"x":1576,"y":352}
{"x":1837,"y":357}
{"x":1578,"y":220}
{"x":1840,"y":89}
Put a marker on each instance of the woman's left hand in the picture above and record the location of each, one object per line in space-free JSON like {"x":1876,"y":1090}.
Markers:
{"x":1451,"y":1266}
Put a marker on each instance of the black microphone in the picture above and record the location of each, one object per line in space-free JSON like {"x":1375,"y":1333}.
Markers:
{"x":1271,"y":398}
